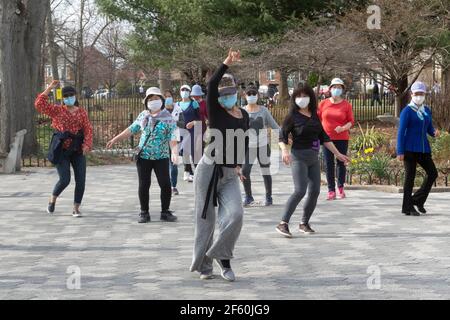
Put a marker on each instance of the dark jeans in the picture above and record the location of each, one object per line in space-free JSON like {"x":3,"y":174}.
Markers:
{"x":262,"y":154}
{"x":420,"y":197}
{"x":145,"y":168}
{"x":78,"y":162}
{"x":342,"y":146}
{"x":173,"y":174}
{"x":306,"y":173}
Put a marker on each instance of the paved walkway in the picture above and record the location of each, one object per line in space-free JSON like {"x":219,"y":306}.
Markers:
{"x":357,"y":240}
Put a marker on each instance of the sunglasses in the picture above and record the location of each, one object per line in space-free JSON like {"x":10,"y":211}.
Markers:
{"x":68,"y":95}
{"x":252,"y":93}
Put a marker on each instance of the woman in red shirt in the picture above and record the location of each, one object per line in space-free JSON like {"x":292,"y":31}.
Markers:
{"x":72,"y":119}
{"x":336,"y":115}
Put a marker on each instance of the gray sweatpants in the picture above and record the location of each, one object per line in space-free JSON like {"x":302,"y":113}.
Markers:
{"x":306,"y":173}
{"x":230,"y":217}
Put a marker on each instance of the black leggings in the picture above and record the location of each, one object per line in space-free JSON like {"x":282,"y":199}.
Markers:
{"x":263,"y":156}
{"x":145,"y":168}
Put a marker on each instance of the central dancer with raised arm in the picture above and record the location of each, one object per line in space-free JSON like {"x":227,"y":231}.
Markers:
{"x":216,"y":181}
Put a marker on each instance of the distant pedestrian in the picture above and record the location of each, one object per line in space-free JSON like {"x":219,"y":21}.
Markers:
{"x":71,"y":142}
{"x":376,"y":94}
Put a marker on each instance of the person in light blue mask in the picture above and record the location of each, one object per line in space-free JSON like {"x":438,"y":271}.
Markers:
{"x":413,"y":148}
{"x":177,"y":115}
{"x":216,"y":181}
{"x":190,"y":147}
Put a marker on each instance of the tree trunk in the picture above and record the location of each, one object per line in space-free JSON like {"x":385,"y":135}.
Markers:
{"x":164,"y":80}
{"x":402,"y":98}
{"x":22,"y":24}
{"x":446,"y":81}
{"x":283,"y":98}
{"x":53,"y":50}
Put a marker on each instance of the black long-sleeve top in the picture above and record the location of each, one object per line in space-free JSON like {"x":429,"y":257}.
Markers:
{"x":307,"y":132}
{"x":220,"y":119}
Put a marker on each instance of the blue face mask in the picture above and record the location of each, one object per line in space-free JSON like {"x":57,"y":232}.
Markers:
{"x":169,"y":101}
{"x":336,"y":92}
{"x":228,"y":102}
{"x":70,"y":101}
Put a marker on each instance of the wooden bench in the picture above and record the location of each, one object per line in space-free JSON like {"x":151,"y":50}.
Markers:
{"x":12,"y":162}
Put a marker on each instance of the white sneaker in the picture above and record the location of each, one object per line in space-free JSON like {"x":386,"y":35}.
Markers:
{"x":226,"y":273}
{"x":186,"y":176}
{"x":191,"y":178}
{"x":77,"y":214}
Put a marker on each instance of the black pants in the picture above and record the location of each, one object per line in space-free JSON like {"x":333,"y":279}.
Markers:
{"x":262,"y":154}
{"x":145,"y":168}
{"x":342,"y":146}
{"x":420,"y":197}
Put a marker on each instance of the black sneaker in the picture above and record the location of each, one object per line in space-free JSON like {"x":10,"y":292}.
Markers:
{"x":421,"y":209}
{"x":283,"y":229}
{"x":175,"y":191}
{"x":144,"y":217}
{"x":168,"y":216}
{"x":411,"y":212}
{"x":306,"y":228}
{"x":269,"y":201}
{"x":51,"y":207}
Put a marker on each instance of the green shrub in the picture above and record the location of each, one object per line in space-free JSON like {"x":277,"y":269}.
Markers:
{"x":367,"y":139}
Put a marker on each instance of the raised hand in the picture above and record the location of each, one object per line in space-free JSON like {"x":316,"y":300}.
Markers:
{"x":233,"y":56}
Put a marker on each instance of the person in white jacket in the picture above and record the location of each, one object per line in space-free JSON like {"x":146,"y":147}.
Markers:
{"x":177,"y":115}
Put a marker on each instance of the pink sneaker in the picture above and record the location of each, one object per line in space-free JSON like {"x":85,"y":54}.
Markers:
{"x":331,"y":195}
{"x":342,"y":193}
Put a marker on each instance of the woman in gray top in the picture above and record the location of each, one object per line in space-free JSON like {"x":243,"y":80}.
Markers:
{"x":259,"y":146}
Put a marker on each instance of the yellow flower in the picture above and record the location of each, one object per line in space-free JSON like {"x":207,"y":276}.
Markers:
{"x":369,"y":150}
{"x":358,"y":154}
{"x":354,"y":161}
{"x":368,"y":159}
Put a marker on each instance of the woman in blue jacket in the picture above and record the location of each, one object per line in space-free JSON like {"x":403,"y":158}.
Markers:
{"x":414,"y":148}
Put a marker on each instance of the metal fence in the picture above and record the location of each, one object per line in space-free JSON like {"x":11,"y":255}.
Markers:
{"x":109,"y":117}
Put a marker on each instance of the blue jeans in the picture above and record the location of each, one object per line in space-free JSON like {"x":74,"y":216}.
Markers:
{"x":173,"y":174}
{"x":78,"y":162}
{"x":342,"y":146}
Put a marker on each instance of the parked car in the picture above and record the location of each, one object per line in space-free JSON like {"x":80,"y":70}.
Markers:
{"x":105,"y":94}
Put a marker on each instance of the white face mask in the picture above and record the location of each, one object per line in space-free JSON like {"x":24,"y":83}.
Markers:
{"x":154,"y":105}
{"x":418,"y":100}
{"x":302,"y":102}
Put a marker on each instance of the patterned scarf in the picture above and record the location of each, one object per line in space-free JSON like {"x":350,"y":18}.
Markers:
{"x":420,"y":111}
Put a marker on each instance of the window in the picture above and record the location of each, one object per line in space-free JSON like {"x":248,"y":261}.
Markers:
{"x":48,"y":71}
{"x":271,"y":75}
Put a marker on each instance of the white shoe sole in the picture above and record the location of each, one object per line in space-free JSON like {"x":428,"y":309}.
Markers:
{"x":77,"y":216}
{"x":207,"y":277}
{"x":284,"y":234}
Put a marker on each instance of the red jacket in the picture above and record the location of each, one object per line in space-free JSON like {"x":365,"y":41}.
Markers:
{"x":333,"y":115}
